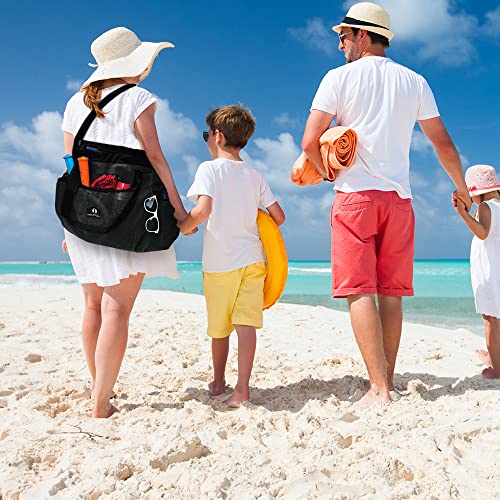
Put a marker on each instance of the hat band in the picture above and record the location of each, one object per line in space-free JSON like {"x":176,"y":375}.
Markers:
{"x":480,"y":188}
{"x":351,"y":20}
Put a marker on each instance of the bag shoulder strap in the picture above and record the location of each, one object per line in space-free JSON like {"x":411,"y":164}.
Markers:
{"x":92,"y":115}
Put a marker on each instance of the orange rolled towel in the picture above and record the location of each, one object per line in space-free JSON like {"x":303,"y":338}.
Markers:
{"x":338,"y":149}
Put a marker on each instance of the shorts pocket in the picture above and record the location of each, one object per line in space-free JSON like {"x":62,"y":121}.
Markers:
{"x":355,"y":202}
{"x":404,"y":205}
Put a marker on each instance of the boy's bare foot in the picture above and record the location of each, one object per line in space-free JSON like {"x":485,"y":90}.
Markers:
{"x":371,"y":398}
{"x":216,"y":388}
{"x":489,"y":373}
{"x":483,"y":356}
{"x":104,"y":413}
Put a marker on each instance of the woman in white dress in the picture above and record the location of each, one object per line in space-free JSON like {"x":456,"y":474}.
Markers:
{"x":111,"y":278}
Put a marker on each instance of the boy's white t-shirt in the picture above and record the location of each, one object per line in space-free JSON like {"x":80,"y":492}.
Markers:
{"x":381,"y":100}
{"x":231,"y":237}
{"x":117,"y":128}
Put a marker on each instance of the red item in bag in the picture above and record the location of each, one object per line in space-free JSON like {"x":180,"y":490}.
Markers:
{"x":105,"y":181}
{"x":108,"y":181}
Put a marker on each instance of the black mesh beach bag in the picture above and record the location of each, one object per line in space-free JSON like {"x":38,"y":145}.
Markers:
{"x":123,"y":203}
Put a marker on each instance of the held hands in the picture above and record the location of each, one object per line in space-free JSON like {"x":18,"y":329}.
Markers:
{"x":182,"y":227}
{"x":181,"y":216}
{"x":464,"y":197}
{"x":64,"y":246}
{"x":459,"y":205}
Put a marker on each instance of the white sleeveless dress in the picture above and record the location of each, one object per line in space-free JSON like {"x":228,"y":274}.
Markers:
{"x":485,"y":266}
{"x":98,"y":264}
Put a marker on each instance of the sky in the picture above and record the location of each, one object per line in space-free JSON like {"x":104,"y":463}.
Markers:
{"x":268,"y":55}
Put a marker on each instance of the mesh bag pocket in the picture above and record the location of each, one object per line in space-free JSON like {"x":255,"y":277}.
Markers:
{"x":100,"y":209}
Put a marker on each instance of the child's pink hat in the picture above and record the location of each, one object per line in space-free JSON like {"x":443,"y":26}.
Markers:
{"x":481,"y":179}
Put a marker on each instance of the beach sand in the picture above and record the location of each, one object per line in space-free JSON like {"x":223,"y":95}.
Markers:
{"x":299,"y":438}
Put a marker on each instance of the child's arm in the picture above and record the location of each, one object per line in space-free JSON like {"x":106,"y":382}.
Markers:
{"x":480,"y":227}
{"x":276,"y":212}
{"x":197,"y":216}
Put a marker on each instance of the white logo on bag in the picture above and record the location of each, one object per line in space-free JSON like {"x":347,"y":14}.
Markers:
{"x":93,"y":212}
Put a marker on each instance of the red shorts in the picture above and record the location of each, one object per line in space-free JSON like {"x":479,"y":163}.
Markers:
{"x":372,"y":244}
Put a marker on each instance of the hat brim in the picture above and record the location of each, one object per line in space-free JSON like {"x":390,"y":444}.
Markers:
{"x":136,"y":63}
{"x":478,"y":192}
{"x":374,"y":29}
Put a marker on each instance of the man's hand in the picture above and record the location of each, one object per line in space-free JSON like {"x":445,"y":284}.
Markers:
{"x":64,"y":246}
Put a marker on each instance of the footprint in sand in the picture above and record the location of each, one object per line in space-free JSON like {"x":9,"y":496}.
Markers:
{"x":33,"y":358}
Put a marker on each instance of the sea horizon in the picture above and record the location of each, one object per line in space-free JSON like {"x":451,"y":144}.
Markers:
{"x":443,"y":293}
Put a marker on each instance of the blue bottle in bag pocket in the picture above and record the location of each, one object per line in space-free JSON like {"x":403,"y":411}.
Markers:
{"x":68,"y":159}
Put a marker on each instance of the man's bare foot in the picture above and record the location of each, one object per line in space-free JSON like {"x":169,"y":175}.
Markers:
{"x":104,"y":413}
{"x":371,"y":398}
{"x":216,"y":388}
{"x":237,"y":398}
{"x":395,"y":394}
{"x":489,"y":373}
{"x":483,"y":356}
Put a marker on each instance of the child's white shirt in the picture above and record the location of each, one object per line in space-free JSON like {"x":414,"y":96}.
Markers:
{"x":231,"y":238}
{"x":485,"y":266}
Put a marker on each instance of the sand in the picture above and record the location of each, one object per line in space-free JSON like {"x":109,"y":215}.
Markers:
{"x":299,"y":438}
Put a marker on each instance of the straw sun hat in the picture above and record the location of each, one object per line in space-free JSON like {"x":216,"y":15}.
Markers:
{"x":119,"y":53}
{"x":367,"y":16}
{"x":481,"y":179}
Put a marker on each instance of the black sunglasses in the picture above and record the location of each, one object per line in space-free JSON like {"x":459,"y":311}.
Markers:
{"x":205,"y":136}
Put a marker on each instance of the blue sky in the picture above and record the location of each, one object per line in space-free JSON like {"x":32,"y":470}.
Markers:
{"x":270,"y":56}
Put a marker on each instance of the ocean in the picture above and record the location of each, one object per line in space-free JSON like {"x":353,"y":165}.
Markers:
{"x":443,"y":294}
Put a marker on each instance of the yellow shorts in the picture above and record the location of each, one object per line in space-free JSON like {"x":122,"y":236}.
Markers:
{"x":234,"y":298}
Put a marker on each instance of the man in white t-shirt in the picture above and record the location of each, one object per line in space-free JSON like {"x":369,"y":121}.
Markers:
{"x":372,"y":219}
{"x":228,"y":193}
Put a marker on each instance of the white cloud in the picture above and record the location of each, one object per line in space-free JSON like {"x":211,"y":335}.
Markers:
{"x":436,"y":28}
{"x":41,"y":142}
{"x":275,"y":159}
{"x":420,"y":143}
{"x":492,"y":24}
{"x":176,"y":131}
{"x":285,"y":120}
{"x":317,"y":35}
{"x":192,"y":164}
{"x":74,"y":85}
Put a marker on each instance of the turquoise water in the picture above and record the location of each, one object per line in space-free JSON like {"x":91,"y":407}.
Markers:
{"x":443,"y":294}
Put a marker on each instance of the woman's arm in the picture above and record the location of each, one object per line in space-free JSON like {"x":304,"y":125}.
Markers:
{"x":145,"y":129}
{"x":68,"y":143}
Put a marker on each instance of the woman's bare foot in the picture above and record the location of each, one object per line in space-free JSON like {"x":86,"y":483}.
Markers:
{"x":216,"y":388}
{"x":105,"y":412}
{"x":489,"y":373}
{"x":483,"y":356}
{"x":91,"y":390}
{"x":371,"y":398}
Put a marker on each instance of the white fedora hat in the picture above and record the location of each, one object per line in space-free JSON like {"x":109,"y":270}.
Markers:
{"x":119,"y":53}
{"x":367,"y":16}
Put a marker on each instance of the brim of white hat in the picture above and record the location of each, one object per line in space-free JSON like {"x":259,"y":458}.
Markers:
{"x":374,"y":29}
{"x":136,"y":63}
{"x":477,"y":192}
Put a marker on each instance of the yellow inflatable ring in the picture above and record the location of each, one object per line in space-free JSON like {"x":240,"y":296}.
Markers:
{"x":276,"y":258}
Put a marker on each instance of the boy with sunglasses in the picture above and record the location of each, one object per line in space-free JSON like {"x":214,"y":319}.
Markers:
{"x":228,"y":193}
